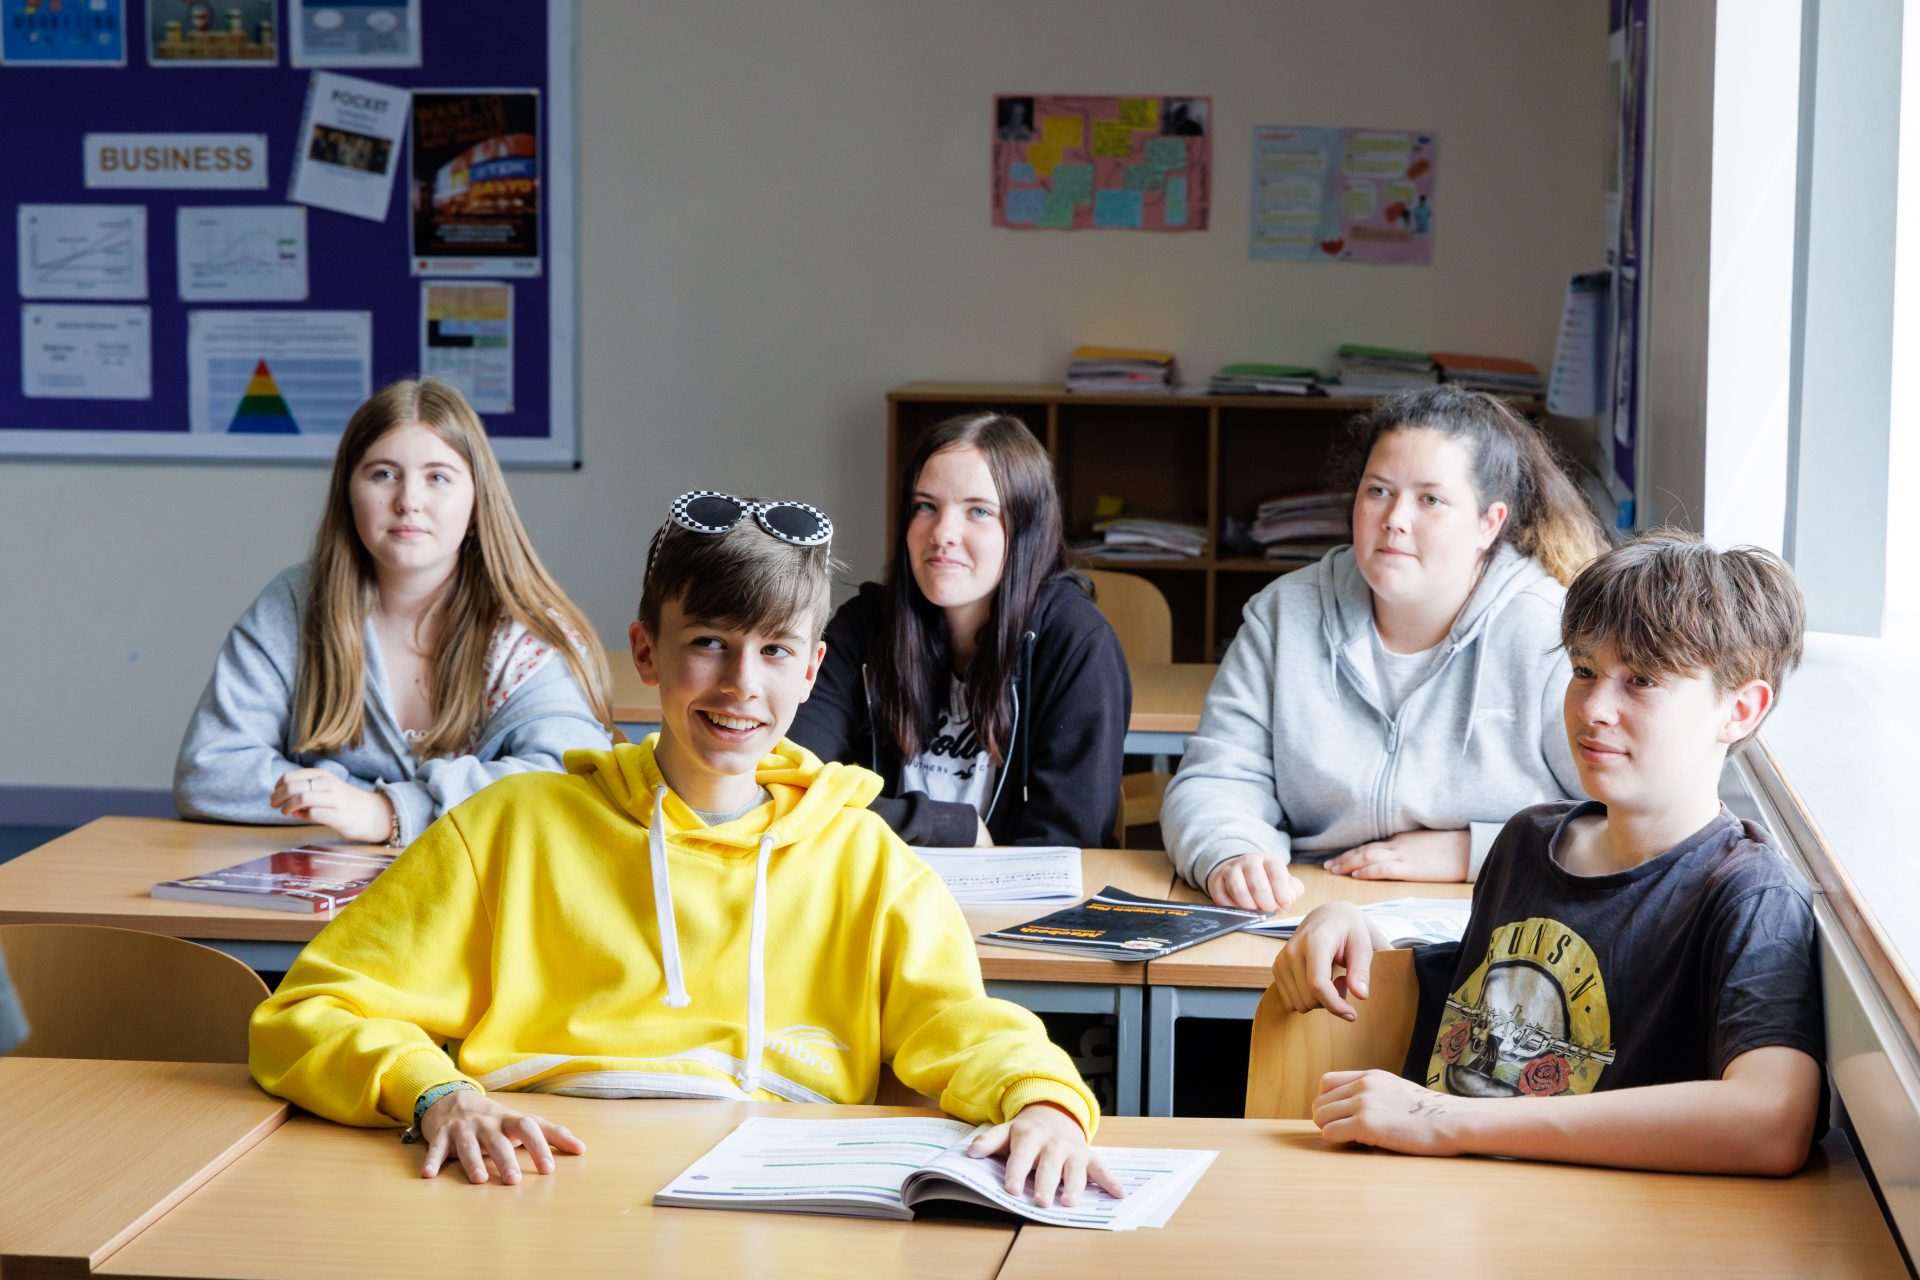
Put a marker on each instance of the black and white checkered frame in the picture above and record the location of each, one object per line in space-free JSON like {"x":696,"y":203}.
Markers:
{"x":682,"y":516}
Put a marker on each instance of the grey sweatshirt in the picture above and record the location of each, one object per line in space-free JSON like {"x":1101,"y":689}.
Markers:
{"x":1296,"y":755}
{"x":238,"y":742}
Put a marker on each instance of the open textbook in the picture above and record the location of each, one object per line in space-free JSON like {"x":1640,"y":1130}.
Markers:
{"x":887,"y":1168}
{"x":1037,"y":873}
{"x":1406,"y":922}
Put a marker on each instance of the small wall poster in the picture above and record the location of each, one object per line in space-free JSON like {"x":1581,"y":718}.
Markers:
{"x":1101,"y":163}
{"x":1343,"y":195}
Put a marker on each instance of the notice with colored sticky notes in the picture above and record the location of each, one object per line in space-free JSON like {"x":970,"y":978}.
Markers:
{"x":1083,"y":163}
{"x":1351,"y":195}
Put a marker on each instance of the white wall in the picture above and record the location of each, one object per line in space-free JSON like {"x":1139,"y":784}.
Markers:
{"x":784,"y":213}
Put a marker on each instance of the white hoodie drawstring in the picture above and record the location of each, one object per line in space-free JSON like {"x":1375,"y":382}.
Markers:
{"x":676,"y":997}
{"x":757,"y":969}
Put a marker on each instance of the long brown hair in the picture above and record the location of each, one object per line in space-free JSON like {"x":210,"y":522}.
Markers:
{"x":917,"y":652}
{"x":498,"y":576}
{"x":1547,"y":519}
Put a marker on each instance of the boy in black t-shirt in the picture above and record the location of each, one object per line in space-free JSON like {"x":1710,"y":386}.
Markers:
{"x":1638,"y":985}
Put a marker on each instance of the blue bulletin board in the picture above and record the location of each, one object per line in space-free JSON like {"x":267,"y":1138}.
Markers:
{"x":165,"y":296}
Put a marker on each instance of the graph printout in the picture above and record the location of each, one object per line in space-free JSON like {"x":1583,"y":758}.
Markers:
{"x":239,"y":254}
{"x":96,"y":252}
{"x":279,"y":378}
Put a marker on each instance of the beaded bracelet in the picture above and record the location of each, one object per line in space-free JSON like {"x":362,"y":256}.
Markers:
{"x":426,"y":1100}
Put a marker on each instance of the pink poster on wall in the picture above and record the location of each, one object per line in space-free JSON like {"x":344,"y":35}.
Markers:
{"x":1101,"y":163}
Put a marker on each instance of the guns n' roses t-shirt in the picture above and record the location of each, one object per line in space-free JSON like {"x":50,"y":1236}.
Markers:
{"x":1665,"y":972}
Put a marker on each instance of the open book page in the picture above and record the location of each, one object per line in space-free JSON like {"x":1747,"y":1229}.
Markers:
{"x":815,"y":1166}
{"x":1407,"y":922}
{"x":1040,"y":873}
{"x":1156,"y":1181}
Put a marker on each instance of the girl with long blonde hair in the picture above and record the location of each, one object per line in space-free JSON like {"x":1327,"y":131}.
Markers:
{"x":422,"y":651}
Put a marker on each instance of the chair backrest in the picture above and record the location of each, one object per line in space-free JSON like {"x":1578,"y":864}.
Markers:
{"x":1291,"y":1051}
{"x":94,"y":992}
{"x":1137,"y":612}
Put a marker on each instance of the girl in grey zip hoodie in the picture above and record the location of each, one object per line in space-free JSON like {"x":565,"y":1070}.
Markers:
{"x":1301,"y":751}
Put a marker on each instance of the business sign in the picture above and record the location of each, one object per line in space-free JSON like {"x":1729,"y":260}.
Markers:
{"x":201,"y":160}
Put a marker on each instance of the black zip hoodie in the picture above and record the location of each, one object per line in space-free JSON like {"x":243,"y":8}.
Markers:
{"x":1072,"y":699}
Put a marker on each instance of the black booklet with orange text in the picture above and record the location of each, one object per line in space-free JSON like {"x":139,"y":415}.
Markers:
{"x":1117,"y":925}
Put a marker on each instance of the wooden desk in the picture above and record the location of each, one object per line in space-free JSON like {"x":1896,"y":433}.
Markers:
{"x":98,"y":1150}
{"x":1279,"y":1196}
{"x":319,"y":1199}
{"x":1225,"y":978}
{"x":102,"y":872}
{"x":1166,"y":703}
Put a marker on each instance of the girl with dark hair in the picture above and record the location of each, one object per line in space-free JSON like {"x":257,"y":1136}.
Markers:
{"x":979,"y":680}
{"x":1389,"y":708}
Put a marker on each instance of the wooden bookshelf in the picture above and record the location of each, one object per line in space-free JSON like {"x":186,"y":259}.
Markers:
{"x":1197,"y":457}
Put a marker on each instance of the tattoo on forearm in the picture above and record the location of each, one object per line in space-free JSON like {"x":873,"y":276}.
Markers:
{"x":1427,"y":1104}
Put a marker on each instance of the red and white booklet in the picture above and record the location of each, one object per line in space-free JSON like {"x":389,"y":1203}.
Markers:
{"x":314,"y":879}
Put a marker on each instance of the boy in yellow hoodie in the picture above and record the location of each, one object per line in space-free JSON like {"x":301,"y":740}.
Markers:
{"x":606,"y":932}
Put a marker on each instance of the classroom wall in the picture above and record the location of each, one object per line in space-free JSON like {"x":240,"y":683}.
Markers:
{"x":784,"y":212}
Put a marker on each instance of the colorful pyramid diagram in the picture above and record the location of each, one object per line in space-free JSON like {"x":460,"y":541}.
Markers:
{"x":263,"y":410}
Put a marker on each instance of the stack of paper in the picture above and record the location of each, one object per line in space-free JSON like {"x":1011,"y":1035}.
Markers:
{"x":1498,"y":374}
{"x":1027,"y":873}
{"x":1266,"y":380}
{"x":1382,"y":371}
{"x":1406,"y":922}
{"x":1299,"y":528}
{"x":1108,"y":369}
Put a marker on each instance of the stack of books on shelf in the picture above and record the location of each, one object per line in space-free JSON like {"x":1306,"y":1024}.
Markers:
{"x":1266,"y":380}
{"x":1515,"y":379}
{"x":1121,"y":535}
{"x":1299,"y":528}
{"x":1382,"y":371}
{"x":1109,"y":369}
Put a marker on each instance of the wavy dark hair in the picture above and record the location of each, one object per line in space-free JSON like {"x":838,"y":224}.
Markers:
{"x":1547,"y":519}
{"x":917,"y":652}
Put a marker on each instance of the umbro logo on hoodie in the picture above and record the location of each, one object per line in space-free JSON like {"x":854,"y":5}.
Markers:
{"x":792,"y":1042}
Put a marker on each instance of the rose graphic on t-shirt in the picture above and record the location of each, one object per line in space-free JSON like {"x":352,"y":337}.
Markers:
{"x":1545,"y":1076}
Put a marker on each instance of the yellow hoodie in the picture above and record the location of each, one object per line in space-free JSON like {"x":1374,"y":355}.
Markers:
{"x":587,"y":933}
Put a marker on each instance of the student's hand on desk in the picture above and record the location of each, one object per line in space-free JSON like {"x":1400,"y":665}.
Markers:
{"x":1333,"y":934}
{"x":1254,"y":882}
{"x":1379,"y":1109}
{"x":1044,"y":1140}
{"x":1411,"y":855}
{"x":314,"y":795}
{"x":472,"y":1127}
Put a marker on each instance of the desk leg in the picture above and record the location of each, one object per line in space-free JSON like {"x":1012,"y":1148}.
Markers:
{"x":1124,"y":1003}
{"x":262,"y":957}
{"x":1165,"y":1007}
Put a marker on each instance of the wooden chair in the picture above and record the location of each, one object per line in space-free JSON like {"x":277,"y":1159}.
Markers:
{"x":1291,"y":1051}
{"x":94,"y":992}
{"x":1140,"y":617}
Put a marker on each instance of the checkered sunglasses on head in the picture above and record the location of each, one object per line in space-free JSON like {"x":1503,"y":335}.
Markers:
{"x":710,"y":511}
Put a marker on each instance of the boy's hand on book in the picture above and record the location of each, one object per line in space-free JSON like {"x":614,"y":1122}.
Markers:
{"x":1411,"y":855}
{"x":1336,"y":933}
{"x":1379,"y":1109}
{"x":314,"y":795}
{"x":1254,"y":882}
{"x":1047,"y":1142}
{"x":473,"y":1128}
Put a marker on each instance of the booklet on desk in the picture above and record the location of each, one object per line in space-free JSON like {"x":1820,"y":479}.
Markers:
{"x":314,"y":879}
{"x":1116,"y":925}
{"x":854,"y":1167}
{"x":1029,"y":873}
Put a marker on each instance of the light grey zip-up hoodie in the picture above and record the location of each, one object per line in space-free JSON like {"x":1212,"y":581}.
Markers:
{"x":1296,"y":755}
{"x":238,"y":742}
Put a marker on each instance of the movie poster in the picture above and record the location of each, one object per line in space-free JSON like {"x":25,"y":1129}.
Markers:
{"x":476,"y":183}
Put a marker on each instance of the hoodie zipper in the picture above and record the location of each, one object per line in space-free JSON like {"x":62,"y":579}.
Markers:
{"x":1390,"y":765}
